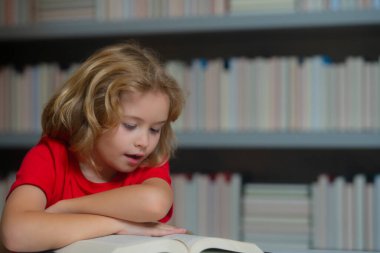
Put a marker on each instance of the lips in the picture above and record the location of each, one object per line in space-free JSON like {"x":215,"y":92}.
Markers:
{"x":134,"y":158}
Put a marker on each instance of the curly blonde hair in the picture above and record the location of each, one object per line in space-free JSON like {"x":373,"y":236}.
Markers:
{"x":89,"y":102}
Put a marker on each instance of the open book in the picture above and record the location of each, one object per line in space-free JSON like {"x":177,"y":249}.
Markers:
{"x":178,"y":243}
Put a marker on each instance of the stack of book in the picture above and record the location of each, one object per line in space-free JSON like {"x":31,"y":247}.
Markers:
{"x":277,"y":216}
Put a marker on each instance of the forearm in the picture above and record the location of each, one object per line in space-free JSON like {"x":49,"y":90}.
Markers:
{"x":39,"y":230}
{"x":138,"y":203}
{"x":26,"y":226}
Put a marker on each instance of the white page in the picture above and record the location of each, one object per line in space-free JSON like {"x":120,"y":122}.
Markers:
{"x":124,"y":243}
{"x":198,"y":243}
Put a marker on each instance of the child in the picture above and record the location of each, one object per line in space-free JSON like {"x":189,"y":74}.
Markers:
{"x":101,"y":166}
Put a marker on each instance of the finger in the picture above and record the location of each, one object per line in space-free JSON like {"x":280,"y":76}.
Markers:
{"x":168,"y":227}
{"x":169,"y":230}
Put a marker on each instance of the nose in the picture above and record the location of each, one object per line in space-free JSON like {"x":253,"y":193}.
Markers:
{"x":142,"y":139}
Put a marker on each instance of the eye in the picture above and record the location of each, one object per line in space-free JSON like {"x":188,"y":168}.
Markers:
{"x":155,"y":130}
{"x":129,"y":126}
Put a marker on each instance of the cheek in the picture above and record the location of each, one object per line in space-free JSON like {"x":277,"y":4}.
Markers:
{"x":154,"y":143}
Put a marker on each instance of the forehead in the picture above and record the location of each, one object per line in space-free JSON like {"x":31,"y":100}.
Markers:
{"x":151,"y":105}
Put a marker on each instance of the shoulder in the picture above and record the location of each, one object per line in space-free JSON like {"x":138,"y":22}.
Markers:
{"x":47,"y":147}
{"x":46,"y":166}
{"x":45,"y":156}
{"x":52,"y":144}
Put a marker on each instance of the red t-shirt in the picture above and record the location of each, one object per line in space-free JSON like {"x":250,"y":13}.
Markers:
{"x":55,"y":170}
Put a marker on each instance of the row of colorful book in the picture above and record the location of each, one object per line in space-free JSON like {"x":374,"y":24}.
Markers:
{"x":346,"y":214}
{"x":291,"y":6}
{"x":330,"y":213}
{"x":335,"y":214}
{"x":208,"y":205}
{"x":23,"y":94}
{"x":21,"y":12}
{"x":239,"y":94}
{"x":279,"y":94}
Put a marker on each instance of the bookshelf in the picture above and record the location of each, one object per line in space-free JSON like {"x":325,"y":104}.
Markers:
{"x":205,"y":36}
{"x":336,"y":34}
{"x":266,"y":157}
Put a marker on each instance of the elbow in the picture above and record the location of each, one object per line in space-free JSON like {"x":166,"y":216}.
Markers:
{"x":158,"y":206}
{"x":12,"y":239}
{"x":11,"y":245}
{"x":156,"y":213}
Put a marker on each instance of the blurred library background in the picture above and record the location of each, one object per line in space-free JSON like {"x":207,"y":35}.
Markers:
{"x":279,"y":141}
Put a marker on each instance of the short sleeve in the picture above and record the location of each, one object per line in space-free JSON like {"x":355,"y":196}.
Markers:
{"x":44,"y":167}
{"x":37,"y":169}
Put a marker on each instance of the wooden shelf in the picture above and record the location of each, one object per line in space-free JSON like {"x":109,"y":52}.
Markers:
{"x":242,"y":140}
{"x":280,"y":140}
{"x":202,"y":24}
{"x":18,"y":140}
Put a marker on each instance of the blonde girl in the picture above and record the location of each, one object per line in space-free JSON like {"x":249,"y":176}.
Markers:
{"x":101,"y":166}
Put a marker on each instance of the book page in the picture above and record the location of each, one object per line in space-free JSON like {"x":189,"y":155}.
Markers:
{"x":125,"y":243}
{"x":198,"y":244}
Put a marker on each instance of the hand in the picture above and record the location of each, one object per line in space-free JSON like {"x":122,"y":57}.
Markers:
{"x":150,"y":229}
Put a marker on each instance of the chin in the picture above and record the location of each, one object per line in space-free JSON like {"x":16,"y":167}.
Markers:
{"x":130,"y":168}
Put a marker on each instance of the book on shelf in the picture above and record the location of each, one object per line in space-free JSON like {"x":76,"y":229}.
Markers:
{"x":239,"y":94}
{"x":208,"y":205}
{"x":344,"y":214}
{"x":178,"y":243}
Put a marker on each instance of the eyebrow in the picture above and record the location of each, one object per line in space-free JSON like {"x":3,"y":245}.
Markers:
{"x":140,"y":119}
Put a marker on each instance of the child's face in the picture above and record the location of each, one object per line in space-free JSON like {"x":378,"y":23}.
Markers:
{"x":126,"y":146}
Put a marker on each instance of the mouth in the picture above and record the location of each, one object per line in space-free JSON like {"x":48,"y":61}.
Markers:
{"x":134,"y":158}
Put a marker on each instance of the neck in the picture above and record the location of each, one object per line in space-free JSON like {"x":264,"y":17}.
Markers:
{"x":95,"y":175}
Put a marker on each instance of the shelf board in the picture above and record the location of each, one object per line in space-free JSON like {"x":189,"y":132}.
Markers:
{"x":201,"y":24}
{"x":18,"y":140}
{"x":280,"y":140}
{"x":241,"y":140}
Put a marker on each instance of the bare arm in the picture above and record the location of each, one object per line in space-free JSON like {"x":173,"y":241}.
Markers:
{"x":26,"y":226}
{"x":146,"y":202}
